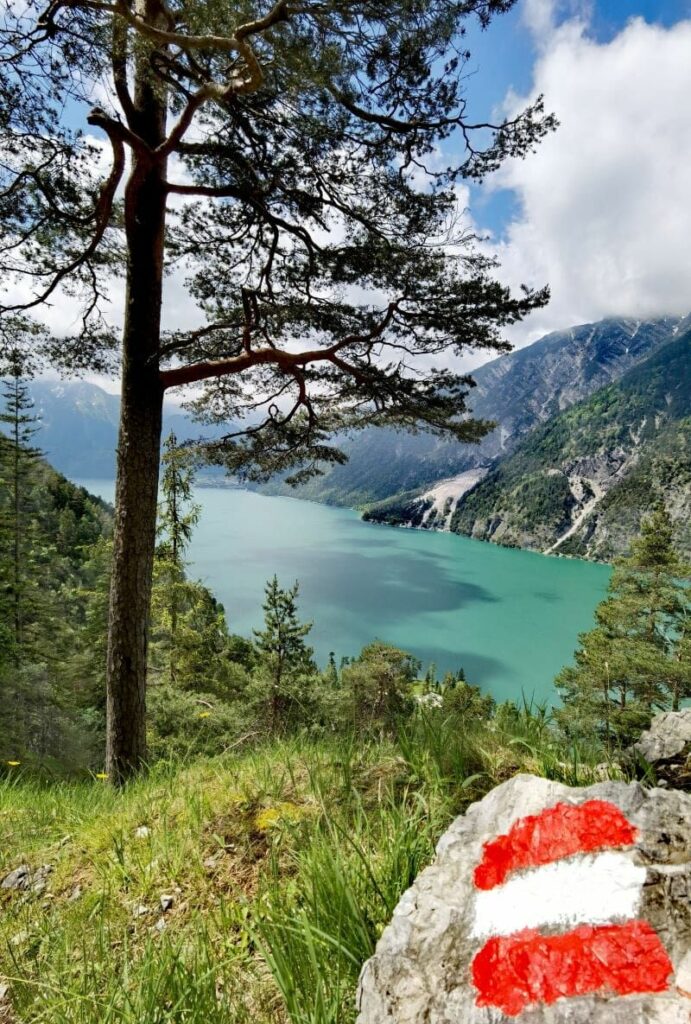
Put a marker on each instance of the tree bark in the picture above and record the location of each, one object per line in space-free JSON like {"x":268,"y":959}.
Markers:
{"x":139,"y":439}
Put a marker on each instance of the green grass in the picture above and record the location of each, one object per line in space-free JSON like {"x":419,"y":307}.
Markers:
{"x":285,"y":864}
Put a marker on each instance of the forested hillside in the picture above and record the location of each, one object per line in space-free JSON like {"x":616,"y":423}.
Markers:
{"x":51,"y":538}
{"x":581,"y":483}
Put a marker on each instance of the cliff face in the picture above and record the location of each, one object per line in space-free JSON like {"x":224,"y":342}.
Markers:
{"x":581,"y":483}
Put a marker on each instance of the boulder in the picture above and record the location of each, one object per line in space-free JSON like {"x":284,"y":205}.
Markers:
{"x":666,"y":746}
{"x":545,"y":905}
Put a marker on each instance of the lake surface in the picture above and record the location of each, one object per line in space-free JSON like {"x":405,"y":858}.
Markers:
{"x":510,"y":618}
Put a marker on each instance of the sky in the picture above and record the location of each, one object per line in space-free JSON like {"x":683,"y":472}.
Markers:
{"x":601,"y":212}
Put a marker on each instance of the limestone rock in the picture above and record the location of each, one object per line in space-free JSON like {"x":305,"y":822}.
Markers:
{"x":667,"y":747}
{"x":25,"y":878}
{"x":20,"y":878}
{"x":545,"y":905}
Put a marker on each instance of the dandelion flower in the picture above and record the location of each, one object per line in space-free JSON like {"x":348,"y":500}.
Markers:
{"x":204,"y":714}
{"x":14,"y":764}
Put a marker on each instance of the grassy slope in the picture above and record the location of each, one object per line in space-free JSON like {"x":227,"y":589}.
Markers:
{"x":284,"y":864}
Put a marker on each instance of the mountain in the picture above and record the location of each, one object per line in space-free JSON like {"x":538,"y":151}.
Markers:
{"x":518,"y":391}
{"x":79,"y":427}
{"x":580,"y":483}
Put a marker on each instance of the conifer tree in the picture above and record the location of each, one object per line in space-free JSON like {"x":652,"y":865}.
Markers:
{"x":178,"y":515}
{"x":636,"y":659}
{"x":17,"y":456}
{"x":379,"y":686}
{"x":284,"y":658}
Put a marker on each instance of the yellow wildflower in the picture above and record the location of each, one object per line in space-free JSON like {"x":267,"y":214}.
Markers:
{"x":14,"y":764}
{"x":204,"y":714}
{"x":101,"y":775}
{"x":269,"y":817}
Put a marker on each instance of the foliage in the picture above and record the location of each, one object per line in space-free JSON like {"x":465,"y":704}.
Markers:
{"x":378,"y":686}
{"x":635,"y":661}
{"x":20,"y":594}
{"x":50,"y":536}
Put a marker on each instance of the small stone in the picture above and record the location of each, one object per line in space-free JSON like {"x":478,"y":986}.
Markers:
{"x":211,"y":862}
{"x":75,"y":894}
{"x":20,"y":938}
{"x":141,"y":910}
{"x":20,"y":878}
{"x":142,"y":832}
{"x":160,"y":925}
{"x":4,"y":992}
{"x":167,"y":903}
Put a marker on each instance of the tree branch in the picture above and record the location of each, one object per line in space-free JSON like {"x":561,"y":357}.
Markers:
{"x":102,"y":214}
{"x":288,"y":362}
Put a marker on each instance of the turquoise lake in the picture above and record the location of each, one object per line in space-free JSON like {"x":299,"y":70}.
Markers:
{"x":510,"y":618}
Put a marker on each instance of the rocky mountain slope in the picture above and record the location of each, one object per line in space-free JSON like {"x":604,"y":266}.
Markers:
{"x":517,"y":391}
{"x":581,"y":483}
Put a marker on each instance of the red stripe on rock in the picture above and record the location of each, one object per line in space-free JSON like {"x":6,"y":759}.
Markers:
{"x":517,"y":971}
{"x":558,"y":832}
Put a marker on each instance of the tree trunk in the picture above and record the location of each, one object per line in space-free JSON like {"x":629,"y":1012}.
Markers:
{"x":139,"y":437}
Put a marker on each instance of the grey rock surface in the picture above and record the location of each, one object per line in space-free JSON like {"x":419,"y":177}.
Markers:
{"x":421,"y":972}
{"x":20,"y":878}
{"x":667,"y":747}
{"x":25,"y":878}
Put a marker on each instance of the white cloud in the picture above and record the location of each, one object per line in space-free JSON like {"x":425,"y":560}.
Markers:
{"x":539,"y":16}
{"x":605,"y":210}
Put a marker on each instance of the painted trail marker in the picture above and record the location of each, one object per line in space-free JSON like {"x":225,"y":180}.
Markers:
{"x":545,"y":905}
{"x":557,"y":901}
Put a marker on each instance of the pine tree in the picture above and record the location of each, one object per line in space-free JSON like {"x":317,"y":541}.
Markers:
{"x":17,"y":457}
{"x":636,"y":660}
{"x":379,"y":686}
{"x":284,"y":657}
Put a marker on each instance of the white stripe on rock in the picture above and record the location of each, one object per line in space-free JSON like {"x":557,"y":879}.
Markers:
{"x":591,"y":889}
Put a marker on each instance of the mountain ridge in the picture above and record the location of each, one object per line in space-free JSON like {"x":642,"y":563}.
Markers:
{"x":518,"y":390}
{"x":581,"y":483}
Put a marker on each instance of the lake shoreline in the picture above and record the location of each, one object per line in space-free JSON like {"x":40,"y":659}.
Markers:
{"x":509,"y":619}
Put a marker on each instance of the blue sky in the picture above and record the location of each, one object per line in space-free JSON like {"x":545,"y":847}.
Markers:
{"x":504,"y":56}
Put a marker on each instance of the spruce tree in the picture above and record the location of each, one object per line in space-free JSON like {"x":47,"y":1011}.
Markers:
{"x":177,"y":517}
{"x":17,"y":457}
{"x":284,"y":658}
{"x":636,"y":660}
